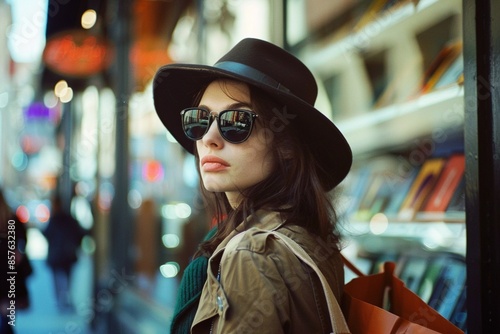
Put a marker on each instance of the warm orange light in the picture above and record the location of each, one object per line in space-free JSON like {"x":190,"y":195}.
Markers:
{"x":42,"y":213}
{"x":23,"y":214}
{"x":77,"y":53}
{"x":152,"y":171}
{"x":146,"y":56}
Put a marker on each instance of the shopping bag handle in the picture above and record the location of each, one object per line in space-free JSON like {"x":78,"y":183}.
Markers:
{"x":338,"y":322}
{"x":352,"y":267}
{"x":389,"y":267}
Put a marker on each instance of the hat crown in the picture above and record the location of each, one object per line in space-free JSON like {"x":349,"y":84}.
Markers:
{"x":280,"y":67}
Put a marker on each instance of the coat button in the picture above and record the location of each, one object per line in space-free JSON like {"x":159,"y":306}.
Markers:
{"x":220,"y":305}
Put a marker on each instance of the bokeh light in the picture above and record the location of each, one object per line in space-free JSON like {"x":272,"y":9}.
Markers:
{"x":89,"y":19}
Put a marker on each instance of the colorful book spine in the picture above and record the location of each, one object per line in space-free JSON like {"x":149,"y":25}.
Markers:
{"x":421,"y":188}
{"x":446,"y":58}
{"x":444,"y":189}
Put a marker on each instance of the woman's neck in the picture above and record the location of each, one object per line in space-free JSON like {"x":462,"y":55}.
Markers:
{"x":234,"y":199}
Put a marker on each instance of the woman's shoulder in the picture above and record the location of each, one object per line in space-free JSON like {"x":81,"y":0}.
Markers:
{"x":309,"y":240}
{"x":254,"y":240}
{"x":259,"y":240}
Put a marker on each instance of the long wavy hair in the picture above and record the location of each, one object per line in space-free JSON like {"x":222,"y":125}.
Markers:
{"x":293,"y":188}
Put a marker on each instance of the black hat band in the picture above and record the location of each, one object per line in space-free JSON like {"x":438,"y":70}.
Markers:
{"x":251,"y":73}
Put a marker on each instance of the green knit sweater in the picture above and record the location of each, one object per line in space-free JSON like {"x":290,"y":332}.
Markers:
{"x":188,"y":295}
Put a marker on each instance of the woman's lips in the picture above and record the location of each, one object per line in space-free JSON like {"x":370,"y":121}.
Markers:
{"x":213,"y":164}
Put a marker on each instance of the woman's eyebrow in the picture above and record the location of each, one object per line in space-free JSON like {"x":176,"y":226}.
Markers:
{"x":235,"y":105}
{"x":238,"y":105}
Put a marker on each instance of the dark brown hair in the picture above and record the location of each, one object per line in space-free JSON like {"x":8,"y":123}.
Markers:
{"x":293,"y":187}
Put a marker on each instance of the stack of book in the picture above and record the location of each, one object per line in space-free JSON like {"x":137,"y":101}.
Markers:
{"x":438,"y":278}
{"x":434,"y":191}
{"x":446,"y":69}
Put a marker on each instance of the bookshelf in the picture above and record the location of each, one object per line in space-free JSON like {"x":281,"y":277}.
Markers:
{"x":404,"y":121}
{"x":407,"y":38}
{"x":394,"y":80}
{"x":405,"y":21}
{"x":400,"y":42}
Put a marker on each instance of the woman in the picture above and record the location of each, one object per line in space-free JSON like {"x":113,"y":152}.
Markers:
{"x":267,"y":160}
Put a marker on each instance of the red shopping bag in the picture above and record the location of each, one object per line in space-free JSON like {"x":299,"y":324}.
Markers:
{"x":404,"y":312}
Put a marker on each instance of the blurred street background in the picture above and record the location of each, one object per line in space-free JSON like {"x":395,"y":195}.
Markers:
{"x":77,"y":122}
{"x":80,"y":137}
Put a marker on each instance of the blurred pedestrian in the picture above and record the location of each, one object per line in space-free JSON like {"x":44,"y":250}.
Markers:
{"x":15,"y":267}
{"x":64,"y":235}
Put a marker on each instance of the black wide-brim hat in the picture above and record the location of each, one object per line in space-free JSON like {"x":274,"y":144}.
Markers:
{"x":278,"y":73}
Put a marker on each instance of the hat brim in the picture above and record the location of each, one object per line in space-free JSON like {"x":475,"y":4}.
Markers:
{"x":176,"y":85}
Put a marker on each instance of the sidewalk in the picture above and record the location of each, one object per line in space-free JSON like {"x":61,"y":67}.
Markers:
{"x":43,"y":317}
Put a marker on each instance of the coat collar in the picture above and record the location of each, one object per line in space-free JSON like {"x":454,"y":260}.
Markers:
{"x":263,"y":219}
{"x":213,"y":300}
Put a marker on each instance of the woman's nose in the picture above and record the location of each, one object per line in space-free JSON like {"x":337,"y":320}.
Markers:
{"x":212,"y":137}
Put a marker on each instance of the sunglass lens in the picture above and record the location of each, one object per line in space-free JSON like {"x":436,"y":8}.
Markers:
{"x":235,"y":125}
{"x":195,"y":123}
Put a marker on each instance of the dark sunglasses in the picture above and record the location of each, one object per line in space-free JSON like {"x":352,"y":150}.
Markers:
{"x":235,"y":125}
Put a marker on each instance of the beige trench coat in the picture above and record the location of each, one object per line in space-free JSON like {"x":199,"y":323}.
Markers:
{"x":264,"y":288}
